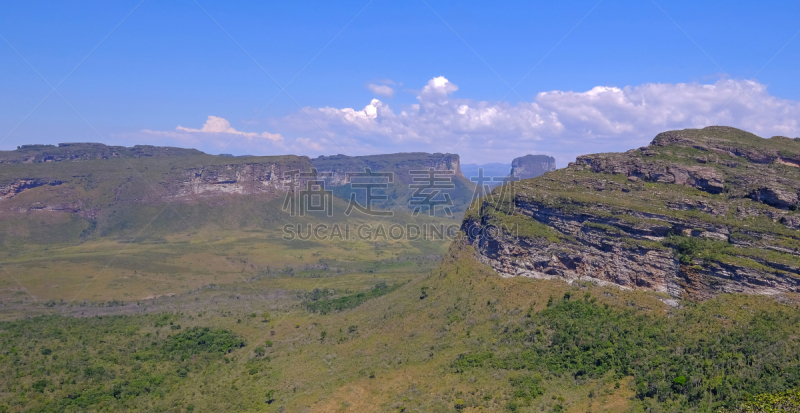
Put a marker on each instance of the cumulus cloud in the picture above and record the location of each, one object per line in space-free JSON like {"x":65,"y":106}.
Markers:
{"x":217,"y":135}
{"x":437,"y":88}
{"x":381,"y":90}
{"x":562,"y":123}
{"x":216,"y":124}
{"x":559,"y":123}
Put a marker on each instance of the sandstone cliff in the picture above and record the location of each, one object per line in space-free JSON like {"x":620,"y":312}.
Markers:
{"x":398,"y":163}
{"x":694,"y":214}
{"x":79,"y":189}
{"x":399,"y":191}
{"x":531,"y":166}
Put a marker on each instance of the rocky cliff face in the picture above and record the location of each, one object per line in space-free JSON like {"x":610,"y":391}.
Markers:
{"x":694,"y":214}
{"x":398,"y":163}
{"x":247,"y":178}
{"x":399,"y":191}
{"x":88,"y":179}
{"x":94,"y":187}
{"x":531,"y":166}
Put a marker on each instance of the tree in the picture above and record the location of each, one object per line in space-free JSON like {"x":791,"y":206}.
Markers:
{"x":260,"y":351}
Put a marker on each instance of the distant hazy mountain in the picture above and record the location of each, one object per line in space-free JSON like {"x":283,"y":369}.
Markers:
{"x":531,"y":166}
{"x":401,"y":165}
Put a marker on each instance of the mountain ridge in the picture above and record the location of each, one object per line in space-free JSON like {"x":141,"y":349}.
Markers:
{"x":696,"y":213}
{"x":79,"y":189}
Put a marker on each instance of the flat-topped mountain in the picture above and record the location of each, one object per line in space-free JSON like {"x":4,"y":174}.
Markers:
{"x":60,"y":193}
{"x":531,"y":166}
{"x":399,"y":163}
{"x":86,"y":151}
{"x":69,"y":192}
{"x":407,"y":169}
{"x":696,"y":213}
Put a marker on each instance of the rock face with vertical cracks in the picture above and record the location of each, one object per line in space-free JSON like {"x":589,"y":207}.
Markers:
{"x":696,"y":213}
{"x":531,"y":166}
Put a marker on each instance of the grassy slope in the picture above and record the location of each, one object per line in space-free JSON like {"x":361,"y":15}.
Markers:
{"x":393,"y":352}
{"x":177,"y":257}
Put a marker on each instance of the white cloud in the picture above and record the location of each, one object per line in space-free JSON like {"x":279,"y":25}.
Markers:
{"x":559,"y":123}
{"x":308,"y":143}
{"x":216,"y":135}
{"x":562,"y":123}
{"x":381,"y":90}
{"x":437,"y":88}
{"x":216,"y":124}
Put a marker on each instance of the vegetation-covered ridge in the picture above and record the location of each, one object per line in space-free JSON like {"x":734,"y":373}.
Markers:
{"x":85,"y":151}
{"x":695,"y":213}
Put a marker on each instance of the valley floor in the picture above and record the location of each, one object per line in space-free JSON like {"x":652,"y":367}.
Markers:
{"x":421,"y":333}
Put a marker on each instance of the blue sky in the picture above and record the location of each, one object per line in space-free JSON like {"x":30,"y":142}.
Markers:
{"x":652,"y":66}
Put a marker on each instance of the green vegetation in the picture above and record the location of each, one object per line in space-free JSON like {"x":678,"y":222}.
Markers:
{"x":319,"y":302}
{"x":55,"y":364}
{"x":499,"y":213}
{"x":197,"y":340}
{"x":475,"y":341}
{"x":685,"y":362}
{"x":689,"y":249}
{"x":788,"y":401}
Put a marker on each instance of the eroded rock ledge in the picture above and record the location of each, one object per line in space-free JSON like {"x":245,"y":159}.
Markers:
{"x":694,"y":214}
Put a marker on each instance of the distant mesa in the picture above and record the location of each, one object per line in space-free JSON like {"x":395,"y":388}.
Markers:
{"x":86,"y":151}
{"x":524,"y":167}
{"x":531,"y":166}
{"x":401,"y":165}
{"x":84,"y":190}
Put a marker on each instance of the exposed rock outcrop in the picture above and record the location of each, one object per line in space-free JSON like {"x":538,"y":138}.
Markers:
{"x":17,"y":186}
{"x":406,"y":169}
{"x":694,"y":214}
{"x":398,"y":163}
{"x":244,"y":179}
{"x":531,"y":166}
{"x":59,"y":179}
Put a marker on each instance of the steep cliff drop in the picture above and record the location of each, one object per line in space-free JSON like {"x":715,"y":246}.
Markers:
{"x":696,"y":213}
